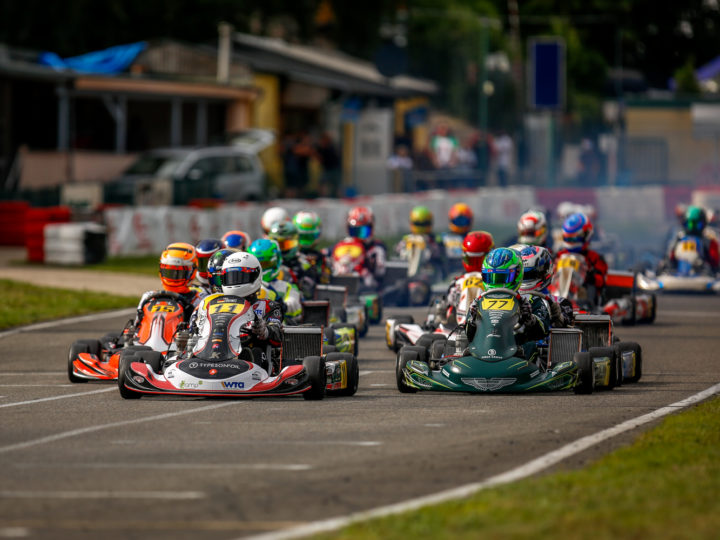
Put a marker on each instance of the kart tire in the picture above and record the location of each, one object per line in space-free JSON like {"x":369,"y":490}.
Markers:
{"x":315,"y":367}
{"x":91,"y":346}
{"x":154,"y":359}
{"x":353,"y":374}
{"x":379,"y":318}
{"x":327,"y":349}
{"x":362,"y":331}
{"x":123,"y":369}
{"x":634,"y":347}
{"x":586,"y":373}
{"x":421,"y":352}
{"x":426,"y":340}
{"x":632,"y":318}
{"x":111,"y":337}
{"x":614,"y":372}
{"x":653,"y":309}
{"x":403,"y":319}
{"x":403,"y":357}
{"x":437,"y":349}
{"x":330,"y":334}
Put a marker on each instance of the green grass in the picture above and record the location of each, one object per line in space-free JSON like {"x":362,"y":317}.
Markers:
{"x":138,"y":264}
{"x":25,"y":304}
{"x":665,"y":485}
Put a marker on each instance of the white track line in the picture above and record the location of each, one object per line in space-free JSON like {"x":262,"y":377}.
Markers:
{"x":92,"y":429}
{"x":71,"y":320}
{"x":169,"y":495}
{"x":523,"y":471}
{"x":32,"y":401}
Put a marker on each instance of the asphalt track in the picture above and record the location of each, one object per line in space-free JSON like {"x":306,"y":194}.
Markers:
{"x":78,"y":461}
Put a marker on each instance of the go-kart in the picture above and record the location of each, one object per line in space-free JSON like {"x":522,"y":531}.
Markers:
{"x":348,"y":270}
{"x":337,"y":336}
{"x":162,"y":314}
{"x":622,"y":301}
{"x":491,"y":361}
{"x":688,"y":273}
{"x":410,"y":280}
{"x":218,"y":365}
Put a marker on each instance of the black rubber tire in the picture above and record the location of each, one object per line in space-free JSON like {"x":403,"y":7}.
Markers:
{"x":123,"y":367}
{"x":635,"y":347}
{"x":91,"y":346}
{"x":653,"y":309}
{"x":380,"y":311}
{"x":353,"y":374}
{"x":586,"y":373}
{"x":403,"y":357}
{"x":437,"y":348}
{"x":154,"y":359}
{"x":315,"y":367}
{"x":363,"y":330}
{"x":420,"y":351}
{"x":403,"y":319}
{"x":632,"y":319}
{"x":327,"y":349}
{"x":330,"y":334}
{"x":609,"y":352}
{"x":426,"y":340}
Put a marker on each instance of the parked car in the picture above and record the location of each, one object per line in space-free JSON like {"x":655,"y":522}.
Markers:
{"x":228,"y":172}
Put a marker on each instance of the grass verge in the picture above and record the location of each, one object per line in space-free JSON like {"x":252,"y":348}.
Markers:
{"x":26,"y":304}
{"x":146,"y":265}
{"x":665,"y":485}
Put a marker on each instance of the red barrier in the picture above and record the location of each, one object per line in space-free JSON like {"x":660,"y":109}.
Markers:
{"x":35,"y":221}
{"x":12,"y":222}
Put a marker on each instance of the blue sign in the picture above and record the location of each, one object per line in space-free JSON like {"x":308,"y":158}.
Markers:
{"x":547,"y":73}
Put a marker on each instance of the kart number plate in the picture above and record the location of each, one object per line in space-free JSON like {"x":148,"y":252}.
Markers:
{"x":498,"y":303}
{"x":163,"y":307}
{"x":472,"y":282}
{"x":569,"y":263}
{"x":226,"y":308}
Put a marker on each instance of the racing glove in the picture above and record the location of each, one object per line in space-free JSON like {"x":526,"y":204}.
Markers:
{"x":259,"y":329}
{"x":556,"y":315}
{"x":527,"y":318}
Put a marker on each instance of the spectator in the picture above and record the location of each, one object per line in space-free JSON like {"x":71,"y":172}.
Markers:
{"x":504,"y":147}
{"x":400,"y":164}
{"x":296,"y":157}
{"x":329,"y":157}
{"x":484,"y":149}
{"x":444,"y":147}
{"x":589,"y":173}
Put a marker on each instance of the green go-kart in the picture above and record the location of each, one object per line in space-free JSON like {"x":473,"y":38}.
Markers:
{"x":491,"y":361}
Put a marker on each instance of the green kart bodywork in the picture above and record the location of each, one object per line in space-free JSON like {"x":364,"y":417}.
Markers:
{"x":490,"y":363}
{"x":373,"y":303}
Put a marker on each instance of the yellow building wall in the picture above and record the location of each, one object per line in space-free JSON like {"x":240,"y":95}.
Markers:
{"x":690,"y":159}
{"x":266,"y":115}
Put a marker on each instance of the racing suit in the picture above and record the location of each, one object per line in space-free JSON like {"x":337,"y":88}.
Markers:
{"x":320,"y":267}
{"x":192,"y":296}
{"x":374,"y":266}
{"x":434,"y":255}
{"x":289,"y":296}
{"x":454,"y":292}
{"x":266,"y":330}
{"x":710,"y":249}
{"x":597,"y":270}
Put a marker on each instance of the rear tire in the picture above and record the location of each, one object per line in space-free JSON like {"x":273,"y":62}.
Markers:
{"x":625,"y":346}
{"x":437,"y":348}
{"x":353,"y":374}
{"x":403,"y":357}
{"x":153,"y":359}
{"x":91,"y":346}
{"x":315,"y":367}
{"x":403,"y":319}
{"x":123,"y":374}
{"x":586,"y":373}
{"x":610,"y":353}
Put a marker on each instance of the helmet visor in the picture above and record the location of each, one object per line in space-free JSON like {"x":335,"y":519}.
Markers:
{"x":175,"y":272}
{"x":360,"y":231}
{"x":287,"y":244}
{"x":268,"y":264}
{"x":499,"y":278}
{"x":308,"y":239}
{"x":240,"y":276}
{"x":461,"y":221}
{"x":203,"y":264}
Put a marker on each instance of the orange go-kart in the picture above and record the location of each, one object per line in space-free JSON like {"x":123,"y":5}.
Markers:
{"x":162,"y":314}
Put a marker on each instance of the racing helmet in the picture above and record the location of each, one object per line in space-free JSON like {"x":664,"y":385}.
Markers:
{"x":537,"y":267}
{"x":204,"y":250}
{"x":178,"y":266}
{"x":532,"y":228}
{"x":502,"y":268}
{"x":695,"y":220}
{"x":360,"y":222}
{"x":241,"y":274}
{"x":421,"y":220}
{"x":460,"y":217}
{"x":309,"y":228}
{"x":576,"y":232}
{"x":286,"y":236}
{"x":272,"y":216}
{"x":268,"y":253}
{"x":476,"y":246}
{"x":236,"y":239}
{"x":214,"y":266}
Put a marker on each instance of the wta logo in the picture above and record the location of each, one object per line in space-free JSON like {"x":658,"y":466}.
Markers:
{"x":235,"y":385}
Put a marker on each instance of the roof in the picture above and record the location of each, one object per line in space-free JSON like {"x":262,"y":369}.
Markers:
{"x":325,"y":67}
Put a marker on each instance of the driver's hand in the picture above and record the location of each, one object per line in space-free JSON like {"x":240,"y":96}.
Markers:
{"x":259,"y":329}
{"x":526,"y":314}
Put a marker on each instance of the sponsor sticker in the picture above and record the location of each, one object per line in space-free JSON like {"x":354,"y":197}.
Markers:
{"x":234,"y":385}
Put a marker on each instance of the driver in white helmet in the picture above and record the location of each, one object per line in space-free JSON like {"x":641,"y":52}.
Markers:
{"x":241,"y":279}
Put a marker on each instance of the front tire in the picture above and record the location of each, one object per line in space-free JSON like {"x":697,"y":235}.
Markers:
{"x":403,"y":357}
{"x":315,"y":367}
{"x":91,"y":346}
{"x":586,"y":373}
{"x":124,"y":373}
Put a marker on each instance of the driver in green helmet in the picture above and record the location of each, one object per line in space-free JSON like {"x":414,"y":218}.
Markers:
{"x":503,"y":269}
{"x":309,"y":228}
{"x":270,"y":257}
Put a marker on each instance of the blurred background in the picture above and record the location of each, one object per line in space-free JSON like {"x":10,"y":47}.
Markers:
{"x":209,"y":101}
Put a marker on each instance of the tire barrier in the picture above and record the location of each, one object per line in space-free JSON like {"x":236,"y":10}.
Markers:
{"x":35,"y":221}
{"x":12,"y":222}
{"x":75,"y":243}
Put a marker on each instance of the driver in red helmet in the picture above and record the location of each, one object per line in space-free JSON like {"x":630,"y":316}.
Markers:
{"x":360,"y":225}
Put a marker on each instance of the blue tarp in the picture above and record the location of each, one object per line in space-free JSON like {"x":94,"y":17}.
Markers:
{"x":108,"y":61}
{"x":703,"y":73}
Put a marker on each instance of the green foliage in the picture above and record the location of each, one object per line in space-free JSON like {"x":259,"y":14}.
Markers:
{"x":25,"y":304}
{"x":665,"y":485}
{"x":685,"y":79}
